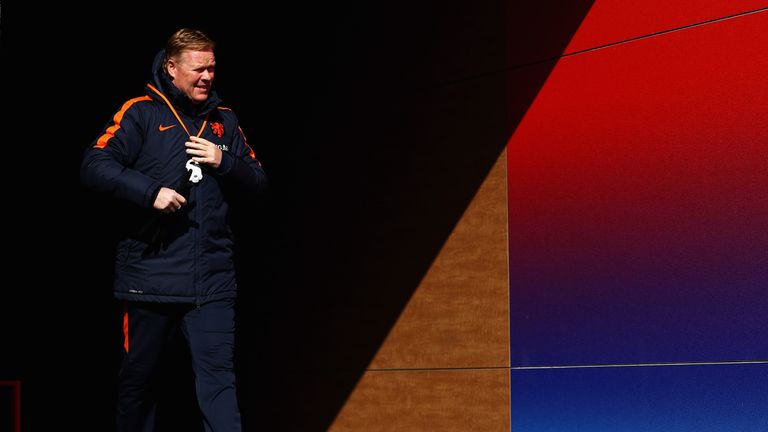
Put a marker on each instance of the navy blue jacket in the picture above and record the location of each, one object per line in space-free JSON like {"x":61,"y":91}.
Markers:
{"x":142,"y":150}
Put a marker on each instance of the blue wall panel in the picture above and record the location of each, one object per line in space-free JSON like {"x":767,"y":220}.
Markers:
{"x":700,"y":398}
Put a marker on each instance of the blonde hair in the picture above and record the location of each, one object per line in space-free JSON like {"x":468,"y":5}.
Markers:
{"x":186,"y":40}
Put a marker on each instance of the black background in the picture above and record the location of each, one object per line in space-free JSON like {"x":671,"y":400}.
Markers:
{"x":376,"y":123}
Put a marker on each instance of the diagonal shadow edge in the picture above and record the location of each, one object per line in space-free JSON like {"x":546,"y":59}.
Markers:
{"x":381,"y":178}
{"x":403,"y":168}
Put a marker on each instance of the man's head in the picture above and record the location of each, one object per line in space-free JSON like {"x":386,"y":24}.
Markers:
{"x":190,"y":62}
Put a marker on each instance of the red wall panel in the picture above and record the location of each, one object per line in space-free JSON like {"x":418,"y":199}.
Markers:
{"x":611,"y":21}
{"x":638,"y":195}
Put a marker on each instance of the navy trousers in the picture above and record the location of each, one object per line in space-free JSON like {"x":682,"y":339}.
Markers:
{"x":210,"y":333}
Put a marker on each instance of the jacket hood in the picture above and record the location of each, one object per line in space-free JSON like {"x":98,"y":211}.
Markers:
{"x":162,"y":82}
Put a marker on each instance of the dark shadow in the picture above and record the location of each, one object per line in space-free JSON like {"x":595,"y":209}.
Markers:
{"x":377,"y":123}
{"x":391,"y":147}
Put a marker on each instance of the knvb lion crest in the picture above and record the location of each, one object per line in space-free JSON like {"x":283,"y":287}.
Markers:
{"x":217,"y":128}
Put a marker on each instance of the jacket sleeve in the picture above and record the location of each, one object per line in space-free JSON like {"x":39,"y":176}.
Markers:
{"x":106,"y":165}
{"x":240,"y":164}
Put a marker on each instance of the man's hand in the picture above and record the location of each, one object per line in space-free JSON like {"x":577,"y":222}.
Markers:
{"x":168,"y":200}
{"x":204,"y":151}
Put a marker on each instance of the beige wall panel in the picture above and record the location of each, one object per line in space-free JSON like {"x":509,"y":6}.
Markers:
{"x":413,"y":401}
{"x":459,"y":314}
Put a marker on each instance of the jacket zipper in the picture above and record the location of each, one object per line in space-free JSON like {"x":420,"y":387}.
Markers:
{"x":197,"y":249}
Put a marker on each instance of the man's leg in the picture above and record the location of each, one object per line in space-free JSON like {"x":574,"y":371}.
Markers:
{"x":210,"y":331}
{"x":147,"y":327}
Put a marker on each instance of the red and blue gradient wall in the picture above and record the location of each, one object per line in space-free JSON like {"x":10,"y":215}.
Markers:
{"x":638,"y":235}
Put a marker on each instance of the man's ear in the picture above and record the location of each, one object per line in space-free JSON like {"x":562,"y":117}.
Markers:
{"x":171,"y":68}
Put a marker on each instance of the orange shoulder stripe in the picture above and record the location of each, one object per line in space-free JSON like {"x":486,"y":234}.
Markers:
{"x":224,"y":108}
{"x":110,"y":132}
{"x":250,"y":149}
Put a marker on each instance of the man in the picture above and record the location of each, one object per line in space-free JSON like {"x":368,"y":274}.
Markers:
{"x":174,"y":157}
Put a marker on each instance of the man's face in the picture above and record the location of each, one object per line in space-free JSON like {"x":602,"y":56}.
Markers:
{"x":193,"y":74}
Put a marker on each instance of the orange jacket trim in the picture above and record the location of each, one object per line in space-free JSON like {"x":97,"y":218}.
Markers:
{"x":110,"y":132}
